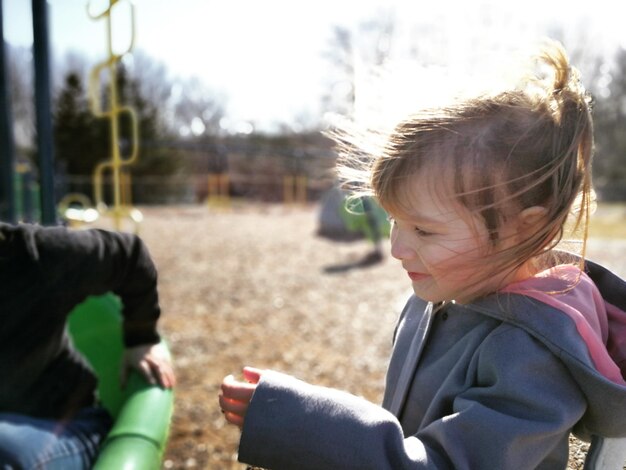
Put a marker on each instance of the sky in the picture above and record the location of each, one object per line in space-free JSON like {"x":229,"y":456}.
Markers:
{"x":266,"y":57}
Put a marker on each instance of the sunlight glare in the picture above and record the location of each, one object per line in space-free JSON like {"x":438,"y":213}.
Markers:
{"x":197,"y":126}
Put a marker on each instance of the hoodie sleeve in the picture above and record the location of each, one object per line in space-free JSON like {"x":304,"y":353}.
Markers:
{"x":517,"y":413}
{"x":79,"y":263}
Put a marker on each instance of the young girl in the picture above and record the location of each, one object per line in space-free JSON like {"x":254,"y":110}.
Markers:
{"x":507,"y":345}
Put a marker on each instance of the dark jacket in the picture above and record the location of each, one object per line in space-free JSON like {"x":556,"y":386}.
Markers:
{"x":498,"y":383}
{"x":44,"y":273}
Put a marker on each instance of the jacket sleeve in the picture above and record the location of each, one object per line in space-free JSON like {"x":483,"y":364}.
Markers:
{"x":511,"y":416}
{"x":80,"y":263}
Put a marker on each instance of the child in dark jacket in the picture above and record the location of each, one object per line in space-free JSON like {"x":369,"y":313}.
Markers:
{"x":508,"y":345}
{"x":49,"y":414}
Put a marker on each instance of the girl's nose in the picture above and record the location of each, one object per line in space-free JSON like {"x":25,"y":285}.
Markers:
{"x":400,"y":249}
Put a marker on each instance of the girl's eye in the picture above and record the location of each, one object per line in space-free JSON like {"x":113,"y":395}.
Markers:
{"x":419,"y":231}
{"x":422,"y":233}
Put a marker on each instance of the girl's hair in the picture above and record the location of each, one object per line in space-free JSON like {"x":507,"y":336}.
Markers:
{"x":499,"y":154}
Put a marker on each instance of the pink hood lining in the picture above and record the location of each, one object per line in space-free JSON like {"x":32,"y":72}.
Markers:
{"x":602,"y":326}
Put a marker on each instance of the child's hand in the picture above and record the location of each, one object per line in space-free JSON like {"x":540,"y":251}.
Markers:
{"x":236,"y":395}
{"x":150,"y":360}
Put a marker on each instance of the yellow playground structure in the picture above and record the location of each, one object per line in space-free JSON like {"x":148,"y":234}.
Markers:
{"x":121,"y":208}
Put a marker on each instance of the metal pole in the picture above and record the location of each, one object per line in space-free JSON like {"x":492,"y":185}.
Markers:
{"x":7,"y":147}
{"x":45,"y":148}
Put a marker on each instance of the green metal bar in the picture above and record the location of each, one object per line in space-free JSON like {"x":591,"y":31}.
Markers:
{"x":45,"y":152}
{"x":7,"y":149}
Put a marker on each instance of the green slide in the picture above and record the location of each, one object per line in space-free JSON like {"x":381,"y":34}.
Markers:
{"x":142,"y":411}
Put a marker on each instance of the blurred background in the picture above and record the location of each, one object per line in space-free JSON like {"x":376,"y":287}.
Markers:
{"x":244,"y":87}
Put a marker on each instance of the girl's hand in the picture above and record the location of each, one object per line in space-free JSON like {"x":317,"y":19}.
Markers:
{"x":150,"y":360}
{"x":236,"y":395}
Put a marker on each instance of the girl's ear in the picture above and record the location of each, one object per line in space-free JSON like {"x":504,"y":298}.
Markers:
{"x":531,"y":215}
{"x":519,"y":228}
{"x":529,"y":218}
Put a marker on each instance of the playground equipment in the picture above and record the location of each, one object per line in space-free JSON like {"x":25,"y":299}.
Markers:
{"x":343,"y":220}
{"x":77,"y":209}
{"x":121,"y":199}
{"x":8,"y":198}
{"x":7,"y":191}
{"x":142,"y":411}
{"x":218,"y":190}
{"x":295,"y":189}
{"x":26,"y":193}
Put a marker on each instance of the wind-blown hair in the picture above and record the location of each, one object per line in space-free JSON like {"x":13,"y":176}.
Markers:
{"x":499,"y":154}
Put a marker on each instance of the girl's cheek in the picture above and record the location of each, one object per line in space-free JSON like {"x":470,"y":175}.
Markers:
{"x":450,"y":262}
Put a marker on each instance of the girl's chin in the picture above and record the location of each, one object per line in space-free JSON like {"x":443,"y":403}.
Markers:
{"x":427,"y":294}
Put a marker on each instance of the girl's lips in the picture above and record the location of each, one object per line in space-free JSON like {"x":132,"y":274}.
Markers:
{"x":417,"y":276}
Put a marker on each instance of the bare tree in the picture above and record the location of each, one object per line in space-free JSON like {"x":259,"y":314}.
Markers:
{"x":352,"y":54}
{"x":610,"y":120}
{"x":194,"y":110}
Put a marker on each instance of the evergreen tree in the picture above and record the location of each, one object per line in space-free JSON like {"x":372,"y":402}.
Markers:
{"x":79,"y":139}
{"x":82,"y":140}
{"x":155,"y":164}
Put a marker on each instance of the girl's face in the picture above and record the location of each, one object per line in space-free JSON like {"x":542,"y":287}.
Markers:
{"x":442,"y":246}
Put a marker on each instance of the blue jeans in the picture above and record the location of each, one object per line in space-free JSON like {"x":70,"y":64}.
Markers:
{"x":28,"y":443}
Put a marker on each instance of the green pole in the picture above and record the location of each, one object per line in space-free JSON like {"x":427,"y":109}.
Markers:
{"x":7,"y":148}
{"x":45,"y":153}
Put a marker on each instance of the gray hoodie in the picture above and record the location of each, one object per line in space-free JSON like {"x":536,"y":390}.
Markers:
{"x":499,"y":383}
